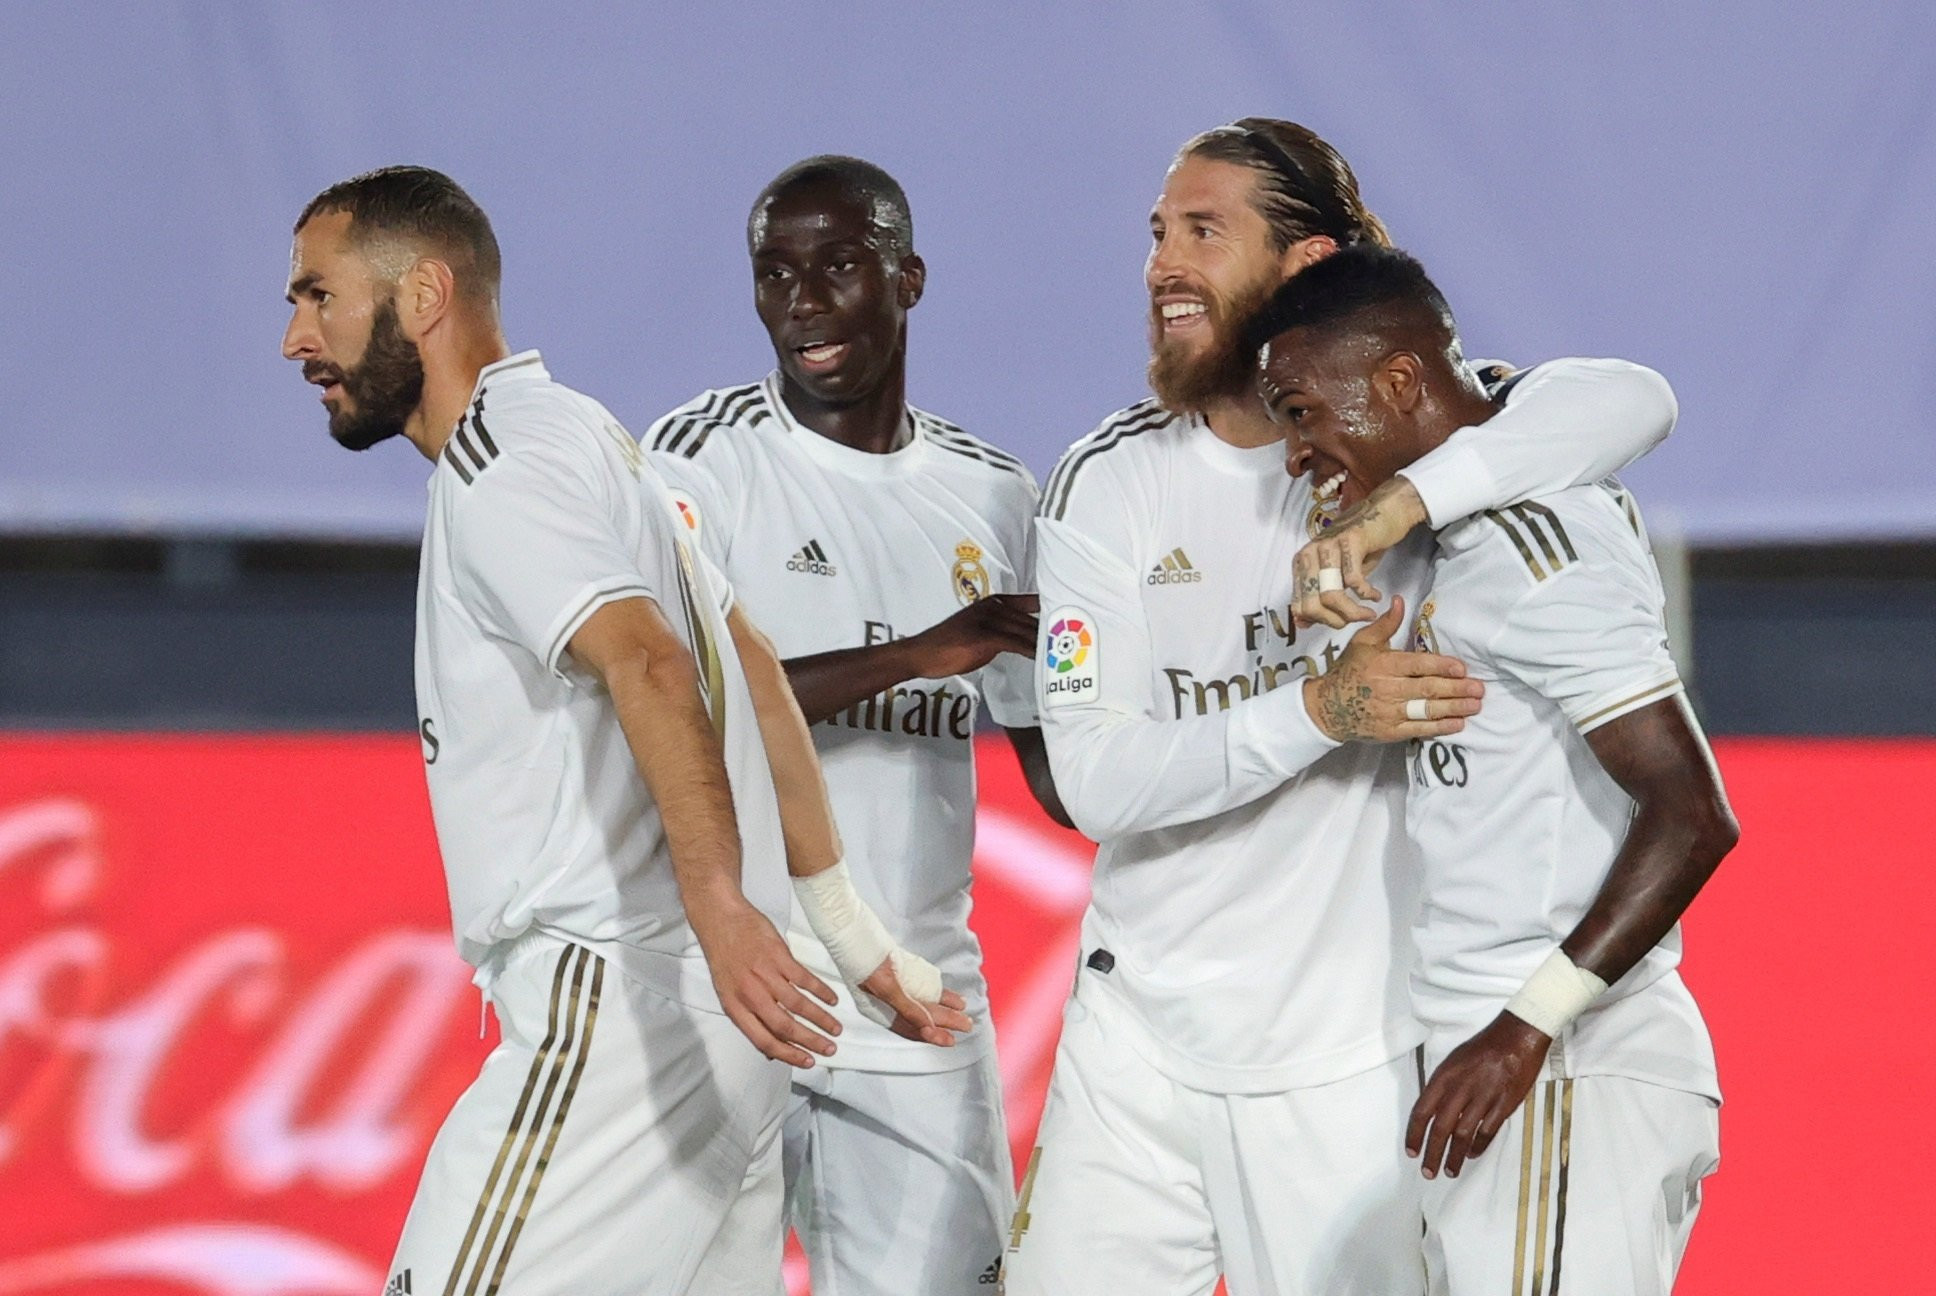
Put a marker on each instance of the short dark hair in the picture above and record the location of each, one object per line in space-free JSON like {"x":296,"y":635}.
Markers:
{"x":421,"y":205}
{"x":1362,"y":288}
{"x":1305,"y":189}
{"x":887,"y":204}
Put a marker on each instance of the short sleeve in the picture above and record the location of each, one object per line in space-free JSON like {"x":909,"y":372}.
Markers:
{"x":539,"y":543}
{"x":1592,"y":639}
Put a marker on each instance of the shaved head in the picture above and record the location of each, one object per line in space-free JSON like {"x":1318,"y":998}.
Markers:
{"x":889,"y":218}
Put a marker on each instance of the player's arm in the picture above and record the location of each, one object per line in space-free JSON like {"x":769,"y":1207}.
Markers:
{"x":1032,"y":750}
{"x":654,"y":686}
{"x":1566,"y":422}
{"x":866,"y":955}
{"x":830,"y":682}
{"x":1123,"y":765}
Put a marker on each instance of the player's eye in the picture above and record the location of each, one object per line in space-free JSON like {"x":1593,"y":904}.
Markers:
{"x":842,"y":265}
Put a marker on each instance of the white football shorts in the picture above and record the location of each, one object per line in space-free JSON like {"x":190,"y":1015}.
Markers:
{"x":1596,"y":1179}
{"x":900,"y":1183}
{"x":614,"y":1141}
{"x":1140,"y":1184}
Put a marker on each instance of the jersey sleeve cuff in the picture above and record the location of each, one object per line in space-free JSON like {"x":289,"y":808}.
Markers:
{"x":1453,"y":483}
{"x":579,"y":610}
{"x":1611,"y":706}
{"x":1275,"y":734}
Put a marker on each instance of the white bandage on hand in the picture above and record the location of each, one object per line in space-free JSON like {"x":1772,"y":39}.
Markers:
{"x":859,"y":944}
{"x":1330,"y":579}
{"x":1555,"y":994}
{"x":1415,"y":709}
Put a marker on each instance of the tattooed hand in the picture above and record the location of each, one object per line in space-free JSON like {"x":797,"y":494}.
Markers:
{"x":1353,"y":546}
{"x":1363,"y":697}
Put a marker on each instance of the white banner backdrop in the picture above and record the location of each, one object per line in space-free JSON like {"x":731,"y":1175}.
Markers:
{"x":1738,"y":194}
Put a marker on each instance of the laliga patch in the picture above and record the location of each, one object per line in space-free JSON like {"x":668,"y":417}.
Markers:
{"x":688,"y":510}
{"x":1071,"y":658}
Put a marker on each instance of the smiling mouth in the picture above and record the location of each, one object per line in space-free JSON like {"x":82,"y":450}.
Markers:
{"x":1178,"y":315}
{"x":819,"y":357}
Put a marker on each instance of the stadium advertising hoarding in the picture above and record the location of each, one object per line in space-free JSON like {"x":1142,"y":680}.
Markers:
{"x":231,"y":1016}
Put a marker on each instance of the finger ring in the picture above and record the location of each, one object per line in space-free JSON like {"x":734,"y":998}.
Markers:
{"x":1330,"y":578}
{"x":1415,"y":709}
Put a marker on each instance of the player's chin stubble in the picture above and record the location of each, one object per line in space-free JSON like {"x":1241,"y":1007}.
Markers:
{"x":1186,"y":381}
{"x":384,"y":389}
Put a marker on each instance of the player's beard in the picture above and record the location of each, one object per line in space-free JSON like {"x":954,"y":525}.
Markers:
{"x":383,"y":390}
{"x":1188,"y":381}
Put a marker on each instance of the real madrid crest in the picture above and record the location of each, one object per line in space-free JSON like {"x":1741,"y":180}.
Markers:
{"x":1424,"y":637}
{"x":1323,"y":514}
{"x":969,"y":576}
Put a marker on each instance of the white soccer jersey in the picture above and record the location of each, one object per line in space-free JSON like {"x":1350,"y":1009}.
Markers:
{"x":1556,"y":604}
{"x":542,"y":510}
{"x":828,"y":548}
{"x":1254,"y":883}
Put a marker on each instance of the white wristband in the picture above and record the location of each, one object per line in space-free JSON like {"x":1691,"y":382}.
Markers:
{"x":1555,"y":994}
{"x":858,"y":943}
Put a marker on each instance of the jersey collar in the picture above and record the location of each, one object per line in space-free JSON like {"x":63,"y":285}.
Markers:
{"x":846,"y":460}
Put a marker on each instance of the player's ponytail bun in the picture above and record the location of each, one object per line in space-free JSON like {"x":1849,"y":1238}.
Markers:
{"x":1307,"y":189}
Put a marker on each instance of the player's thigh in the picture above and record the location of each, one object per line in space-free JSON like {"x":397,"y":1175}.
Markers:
{"x":744,"y":1258}
{"x":1594,"y":1181}
{"x":908,"y":1174}
{"x":1112,"y":1198}
{"x":1311,"y":1191}
{"x":600,"y":1148}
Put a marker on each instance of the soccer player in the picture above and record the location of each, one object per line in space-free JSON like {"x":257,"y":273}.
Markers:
{"x":888,"y":553}
{"x":1236,"y":1064}
{"x":1562,"y":833}
{"x":603,"y":732}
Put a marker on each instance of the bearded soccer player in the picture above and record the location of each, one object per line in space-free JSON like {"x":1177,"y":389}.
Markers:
{"x":1236,"y":1064}
{"x":888,"y":553}
{"x":603,"y":732}
{"x":1563,"y":833}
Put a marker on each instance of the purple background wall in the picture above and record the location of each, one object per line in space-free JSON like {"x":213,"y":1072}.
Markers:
{"x":1738,"y":194}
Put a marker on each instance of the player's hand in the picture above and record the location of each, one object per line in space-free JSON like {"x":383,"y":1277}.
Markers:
{"x":1350,"y":550}
{"x":1474,"y":1093}
{"x":935,"y":1021}
{"x":764,"y":989}
{"x":1363,"y":698}
{"x":969,"y":640}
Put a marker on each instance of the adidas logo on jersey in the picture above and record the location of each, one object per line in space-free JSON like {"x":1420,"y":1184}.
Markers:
{"x":812,"y":559}
{"x":399,"y":1285}
{"x":1175,"y":569}
{"x":992,"y":1275}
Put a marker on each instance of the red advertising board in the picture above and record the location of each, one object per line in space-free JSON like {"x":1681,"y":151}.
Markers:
{"x":231,"y":1017}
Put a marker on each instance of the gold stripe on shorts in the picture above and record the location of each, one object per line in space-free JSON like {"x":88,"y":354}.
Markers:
{"x":557,"y":1125}
{"x":1022,"y":1203}
{"x":558,"y":1060}
{"x":1525,"y":1193}
{"x":517,"y":1123}
{"x":1545,"y":1186}
{"x":1566,"y":1159}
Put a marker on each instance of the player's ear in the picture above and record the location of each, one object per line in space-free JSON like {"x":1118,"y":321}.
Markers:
{"x":1304,"y":252}
{"x":913,"y":281}
{"x":426,"y":293}
{"x":1399,"y":380}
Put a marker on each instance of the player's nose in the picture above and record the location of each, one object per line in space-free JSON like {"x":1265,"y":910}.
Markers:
{"x":1297,"y":455}
{"x":299,"y":342}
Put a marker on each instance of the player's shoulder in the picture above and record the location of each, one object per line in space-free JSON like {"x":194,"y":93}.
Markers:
{"x":965,"y":452}
{"x":1581,"y":533}
{"x":522,"y":414}
{"x":720,"y":412}
{"x":1125,"y":441}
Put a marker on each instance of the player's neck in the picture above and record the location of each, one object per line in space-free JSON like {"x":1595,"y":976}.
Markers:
{"x":874,"y":424}
{"x":450,"y":376}
{"x":1242,"y":421}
